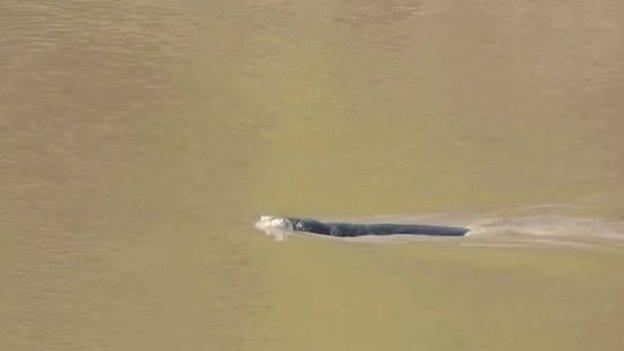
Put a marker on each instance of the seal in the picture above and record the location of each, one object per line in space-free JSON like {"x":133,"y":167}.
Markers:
{"x":341,"y":229}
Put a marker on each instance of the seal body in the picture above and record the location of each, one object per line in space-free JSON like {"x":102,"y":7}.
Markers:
{"x":355,"y":229}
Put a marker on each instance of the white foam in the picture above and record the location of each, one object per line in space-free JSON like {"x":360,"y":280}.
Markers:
{"x":276,"y":226}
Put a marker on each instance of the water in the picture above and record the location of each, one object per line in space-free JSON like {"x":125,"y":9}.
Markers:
{"x":140,"y":141}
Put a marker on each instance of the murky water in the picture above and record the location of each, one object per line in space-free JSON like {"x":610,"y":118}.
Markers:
{"x":140,"y":140}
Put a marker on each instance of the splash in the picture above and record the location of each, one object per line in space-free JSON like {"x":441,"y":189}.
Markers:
{"x":275,"y":226}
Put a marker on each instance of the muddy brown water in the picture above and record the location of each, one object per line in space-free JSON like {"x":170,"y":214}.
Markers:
{"x":140,"y":140}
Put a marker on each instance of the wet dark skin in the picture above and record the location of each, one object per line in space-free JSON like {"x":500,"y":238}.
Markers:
{"x":354,"y":229}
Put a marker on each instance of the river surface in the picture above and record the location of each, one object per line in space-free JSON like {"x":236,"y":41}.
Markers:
{"x":140,"y":141}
